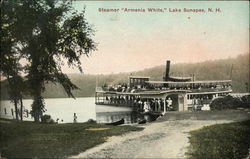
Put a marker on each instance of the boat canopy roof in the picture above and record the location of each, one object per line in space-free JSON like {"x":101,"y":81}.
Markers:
{"x":163,"y":92}
{"x":145,"y":92}
{"x":181,"y":77}
{"x":139,"y":77}
{"x":189,"y":82}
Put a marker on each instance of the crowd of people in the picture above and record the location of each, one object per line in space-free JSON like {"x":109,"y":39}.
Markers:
{"x":133,"y":89}
{"x":157,"y":104}
{"x":140,"y":104}
{"x":124,"y":88}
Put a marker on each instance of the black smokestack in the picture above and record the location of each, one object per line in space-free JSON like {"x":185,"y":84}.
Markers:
{"x":167,"y":70}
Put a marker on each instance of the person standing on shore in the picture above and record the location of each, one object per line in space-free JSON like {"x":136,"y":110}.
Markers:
{"x":75,"y":117}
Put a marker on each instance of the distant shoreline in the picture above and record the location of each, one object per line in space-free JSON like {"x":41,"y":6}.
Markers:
{"x":209,"y":70}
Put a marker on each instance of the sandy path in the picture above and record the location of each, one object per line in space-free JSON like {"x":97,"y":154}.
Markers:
{"x":168,"y":139}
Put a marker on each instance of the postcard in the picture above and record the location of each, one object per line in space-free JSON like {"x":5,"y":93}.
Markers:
{"x":125,"y":79}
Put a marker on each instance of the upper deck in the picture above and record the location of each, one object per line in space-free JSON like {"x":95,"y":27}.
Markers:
{"x":194,"y":86}
{"x":158,"y":87}
{"x":141,"y":85}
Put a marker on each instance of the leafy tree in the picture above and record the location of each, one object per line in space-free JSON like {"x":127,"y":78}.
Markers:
{"x":49,"y":32}
{"x":9,"y":65}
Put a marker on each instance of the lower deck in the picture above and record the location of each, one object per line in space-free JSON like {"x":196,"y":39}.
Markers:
{"x":159,"y":101}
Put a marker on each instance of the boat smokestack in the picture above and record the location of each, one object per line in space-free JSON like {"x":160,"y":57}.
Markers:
{"x":167,"y":70}
{"x":193,"y":77}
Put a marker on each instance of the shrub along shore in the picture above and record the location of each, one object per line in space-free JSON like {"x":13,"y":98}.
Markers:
{"x":42,"y":140}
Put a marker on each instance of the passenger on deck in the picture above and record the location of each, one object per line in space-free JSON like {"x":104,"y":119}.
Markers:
{"x":195,"y":103}
{"x":140,"y":104}
{"x":159,"y":104}
{"x":169,"y":104}
{"x":146,"y":107}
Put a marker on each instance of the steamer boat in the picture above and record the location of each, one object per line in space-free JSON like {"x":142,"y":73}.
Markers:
{"x":170,"y":94}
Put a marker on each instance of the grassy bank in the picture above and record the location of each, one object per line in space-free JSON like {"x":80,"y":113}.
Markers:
{"x":220,"y":141}
{"x":27,"y":139}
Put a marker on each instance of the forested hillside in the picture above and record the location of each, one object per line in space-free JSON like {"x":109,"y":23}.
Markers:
{"x":208,"y":70}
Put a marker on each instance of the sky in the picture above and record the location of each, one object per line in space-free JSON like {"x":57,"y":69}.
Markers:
{"x":132,"y":41}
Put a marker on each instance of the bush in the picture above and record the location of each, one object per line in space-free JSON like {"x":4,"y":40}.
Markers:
{"x":46,"y":119}
{"x":229,"y":102}
{"x":91,"y":121}
{"x":245,"y":100}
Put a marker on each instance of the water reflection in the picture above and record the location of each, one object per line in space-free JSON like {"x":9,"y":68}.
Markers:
{"x":109,"y":117}
{"x":129,"y":117}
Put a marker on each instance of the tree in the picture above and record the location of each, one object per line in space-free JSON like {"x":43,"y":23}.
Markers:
{"x":49,"y":32}
{"x":9,"y":65}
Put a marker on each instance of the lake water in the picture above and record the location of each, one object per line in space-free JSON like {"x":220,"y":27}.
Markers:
{"x":85,"y":109}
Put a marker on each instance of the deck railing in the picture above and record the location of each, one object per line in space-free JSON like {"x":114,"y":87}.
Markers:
{"x":217,"y":89}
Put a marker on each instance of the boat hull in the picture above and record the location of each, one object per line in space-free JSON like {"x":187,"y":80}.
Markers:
{"x":119,"y":122}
